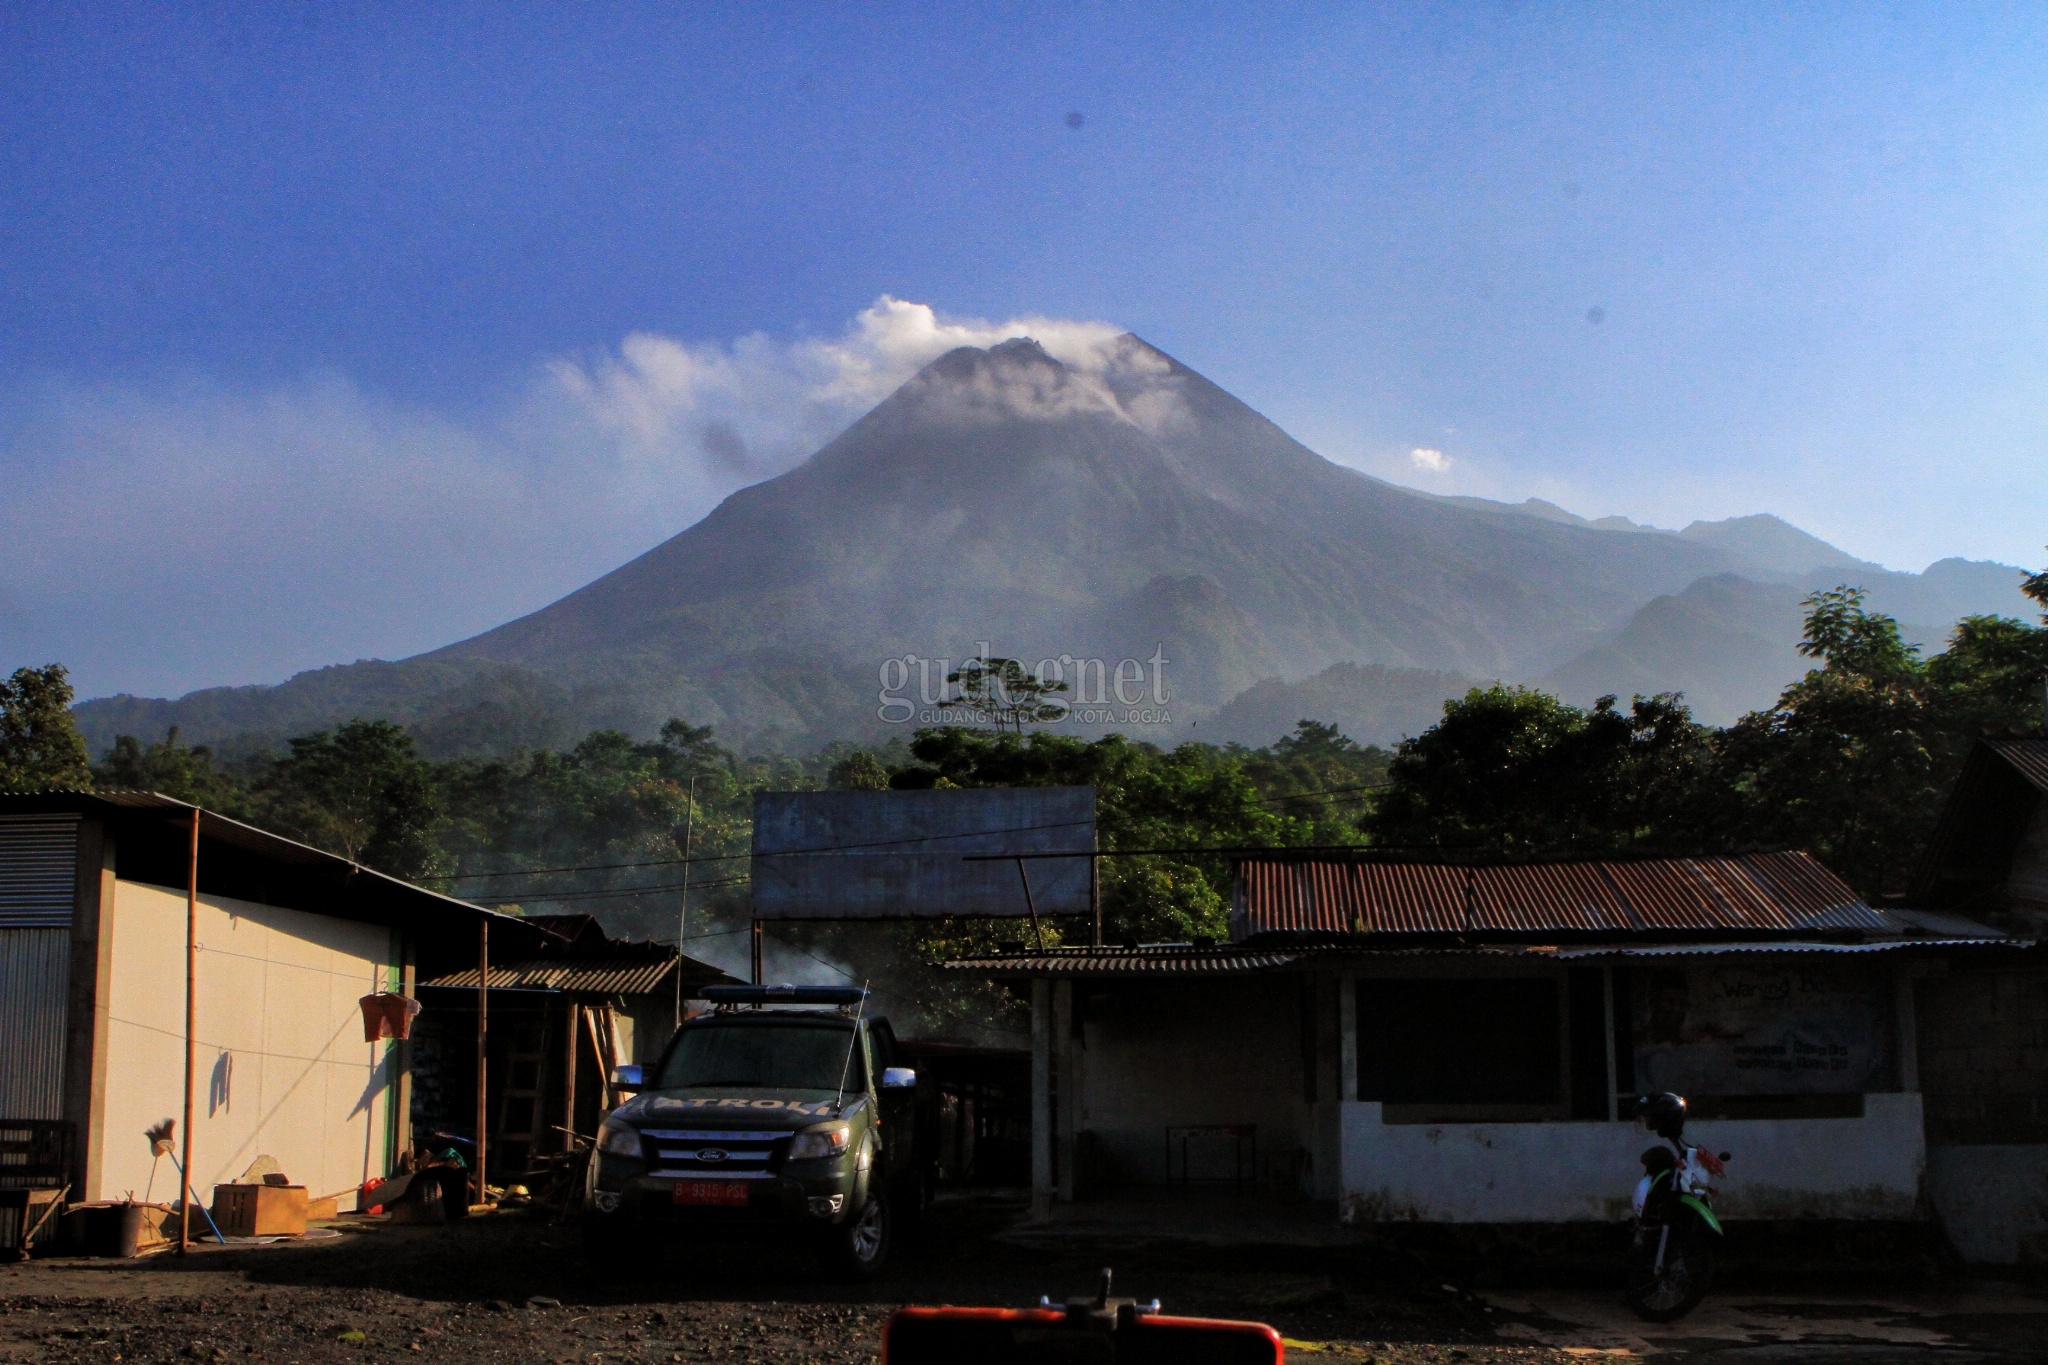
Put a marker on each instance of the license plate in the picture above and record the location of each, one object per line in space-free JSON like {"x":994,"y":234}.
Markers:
{"x":728,"y":1193}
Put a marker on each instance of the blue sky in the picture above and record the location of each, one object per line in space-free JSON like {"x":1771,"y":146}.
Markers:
{"x":331,"y":331}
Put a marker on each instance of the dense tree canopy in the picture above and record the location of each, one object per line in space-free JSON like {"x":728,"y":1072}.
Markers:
{"x":40,"y":747}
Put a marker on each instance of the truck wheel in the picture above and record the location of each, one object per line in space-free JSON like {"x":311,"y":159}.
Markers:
{"x":858,"y":1248}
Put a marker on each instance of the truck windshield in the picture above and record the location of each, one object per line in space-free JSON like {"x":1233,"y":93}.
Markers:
{"x":753,"y":1055}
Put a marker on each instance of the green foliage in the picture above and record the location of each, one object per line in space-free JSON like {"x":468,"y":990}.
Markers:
{"x":859,"y":771}
{"x":1512,"y":772}
{"x":170,"y":767}
{"x":40,"y":747}
{"x":360,"y":791}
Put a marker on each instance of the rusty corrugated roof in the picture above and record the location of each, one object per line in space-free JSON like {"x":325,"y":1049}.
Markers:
{"x":621,"y":969}
{"x":1743,"y":893}
{"x":2028,"y":757}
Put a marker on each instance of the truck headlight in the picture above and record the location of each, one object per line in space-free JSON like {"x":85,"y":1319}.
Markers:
{"x":826,"y":1140}
{"x":618,"y":1139}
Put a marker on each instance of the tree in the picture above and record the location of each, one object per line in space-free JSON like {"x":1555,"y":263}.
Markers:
{"x":1005,"y":694}
{"x":171,"y":768}
{"x":40,"y":747}
{"x":1990,"y":678}
{"x":1853,"y":762}
{"x":859,"y":771}
{"x":1513,"y":772}
{"x":360,"y":791}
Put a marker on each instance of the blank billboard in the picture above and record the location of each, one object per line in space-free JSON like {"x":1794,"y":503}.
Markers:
{"x":901,"y":854}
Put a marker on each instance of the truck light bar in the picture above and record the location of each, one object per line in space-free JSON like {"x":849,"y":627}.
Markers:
{"x":785,"y":995}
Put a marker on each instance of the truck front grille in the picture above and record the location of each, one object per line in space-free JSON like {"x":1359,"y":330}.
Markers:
{"x":705,"y":1153}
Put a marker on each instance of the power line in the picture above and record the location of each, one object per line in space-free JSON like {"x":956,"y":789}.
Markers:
{"x":607,"y":893}
{"x":1329,"y":794}
{"x":774,"y":853}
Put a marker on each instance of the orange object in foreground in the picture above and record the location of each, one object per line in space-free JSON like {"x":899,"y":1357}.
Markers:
{"x":1034,"y":1336}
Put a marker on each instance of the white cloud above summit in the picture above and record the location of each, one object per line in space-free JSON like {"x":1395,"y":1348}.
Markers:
{"x":758,"y":405}
{"x":187,"y":533}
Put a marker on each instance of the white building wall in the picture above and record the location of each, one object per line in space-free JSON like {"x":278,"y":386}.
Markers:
{"x":1864,"y":1168}
{"x":282,"y":1067}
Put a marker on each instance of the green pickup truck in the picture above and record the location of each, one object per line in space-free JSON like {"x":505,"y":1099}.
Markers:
{"x":780,"y":1112}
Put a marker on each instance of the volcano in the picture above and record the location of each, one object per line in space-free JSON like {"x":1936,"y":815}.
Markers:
{"x":1110,"y":506}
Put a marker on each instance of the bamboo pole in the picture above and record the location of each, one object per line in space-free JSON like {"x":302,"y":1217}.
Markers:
{"x":191,"y":1022}
{"x":483,"y":1017}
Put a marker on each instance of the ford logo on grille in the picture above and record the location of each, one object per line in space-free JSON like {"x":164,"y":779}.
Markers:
{"x":711,"y":1154}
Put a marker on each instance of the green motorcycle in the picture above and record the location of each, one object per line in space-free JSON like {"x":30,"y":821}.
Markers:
{"x":1676,"y":1234}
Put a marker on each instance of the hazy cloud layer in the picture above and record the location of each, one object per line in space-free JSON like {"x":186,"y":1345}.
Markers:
{"x":184,"y":534}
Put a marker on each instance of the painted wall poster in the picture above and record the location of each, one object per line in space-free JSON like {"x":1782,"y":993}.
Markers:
{"x":1763,"y":1028}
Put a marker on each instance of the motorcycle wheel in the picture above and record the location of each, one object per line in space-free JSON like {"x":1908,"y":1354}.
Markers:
{"x":1668,"y":1294}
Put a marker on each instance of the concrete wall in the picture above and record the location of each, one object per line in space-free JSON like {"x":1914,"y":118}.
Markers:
{"x":1992,"y":1201}
{"x":1983,"y":1036}
{"x":1870,"y":1167}
{"x":1983,"y":1045}
{"x":282,"y":1069}
{"x":1199,"y":1053}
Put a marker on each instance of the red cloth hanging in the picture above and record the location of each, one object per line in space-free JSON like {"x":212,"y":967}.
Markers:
{"x":388,"y":1015}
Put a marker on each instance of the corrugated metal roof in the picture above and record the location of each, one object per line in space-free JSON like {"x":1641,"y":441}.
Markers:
{"x":219,"y":827}
{"x":621,"y":969}
{"x":2029,"y":758}
{"x":1157,"y":960}
{"x":1745,"y":893}
{"x":1715,"y":949}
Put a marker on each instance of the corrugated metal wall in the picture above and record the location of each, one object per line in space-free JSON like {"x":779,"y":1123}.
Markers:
{"x":38,"y":870}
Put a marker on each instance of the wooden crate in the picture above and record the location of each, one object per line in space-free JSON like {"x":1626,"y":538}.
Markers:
{"x":260,"y":1210}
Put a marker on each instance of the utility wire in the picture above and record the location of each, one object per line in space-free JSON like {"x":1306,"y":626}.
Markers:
{"x":1329,"y":794}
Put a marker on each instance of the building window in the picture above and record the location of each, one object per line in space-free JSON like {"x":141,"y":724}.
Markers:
{"x":1462,"y":1049}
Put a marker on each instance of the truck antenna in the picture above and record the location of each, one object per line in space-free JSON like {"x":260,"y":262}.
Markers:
{"x":852,"y":1042}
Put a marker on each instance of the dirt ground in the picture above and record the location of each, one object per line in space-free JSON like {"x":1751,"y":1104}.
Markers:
{"x":509,"y":1289}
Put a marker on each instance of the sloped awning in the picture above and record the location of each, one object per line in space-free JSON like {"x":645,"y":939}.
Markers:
{"x":619,"y":969}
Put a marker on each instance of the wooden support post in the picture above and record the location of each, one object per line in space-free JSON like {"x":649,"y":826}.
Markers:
{"x":570,"y":1017}
{"x":1041,"y":1099}
{"x":1066,"y":1089}
{"x":191,"y":1025}
{"x":1030,"y":905}
{"x":401,"y":1122}
{"x":483,"y":1026}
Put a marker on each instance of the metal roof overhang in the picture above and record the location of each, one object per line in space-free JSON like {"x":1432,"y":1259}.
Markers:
{"x":152,"y":844}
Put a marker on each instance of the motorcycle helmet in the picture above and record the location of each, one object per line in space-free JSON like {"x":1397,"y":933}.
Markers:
{"x":1663,"y":1114}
